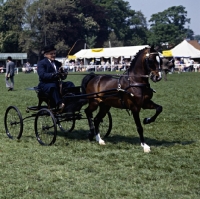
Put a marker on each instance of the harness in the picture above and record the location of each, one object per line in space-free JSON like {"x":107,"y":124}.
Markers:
{"x":141,"y":85}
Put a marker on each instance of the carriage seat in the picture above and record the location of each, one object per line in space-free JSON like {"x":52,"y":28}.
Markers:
{"x":72,"y":104}
{"x":40,"y":93}
{"x":42,"y":96}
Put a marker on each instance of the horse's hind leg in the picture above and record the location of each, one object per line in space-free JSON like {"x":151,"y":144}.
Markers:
{"x":93,"y":105}
{"x":152,"y":105}
{"x":103,"y":110}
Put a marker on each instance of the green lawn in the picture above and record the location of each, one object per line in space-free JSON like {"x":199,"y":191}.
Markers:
{"x":76,"y":168}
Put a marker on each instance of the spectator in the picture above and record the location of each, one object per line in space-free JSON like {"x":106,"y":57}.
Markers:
{"x":27,"y":67}
{"x":10,"y":72}
{"x":191,"y":65}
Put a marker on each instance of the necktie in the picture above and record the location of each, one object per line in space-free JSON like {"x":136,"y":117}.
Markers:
{"x":54,"y":66}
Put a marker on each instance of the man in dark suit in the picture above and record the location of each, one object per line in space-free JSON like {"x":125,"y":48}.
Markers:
{"x":48,"y":69}
{"x":10,"y":72}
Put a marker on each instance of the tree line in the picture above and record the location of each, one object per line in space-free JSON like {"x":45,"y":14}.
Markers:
{"x":29,"y":25}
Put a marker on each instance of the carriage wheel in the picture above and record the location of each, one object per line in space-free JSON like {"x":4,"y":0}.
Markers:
{"x":105,"y":125}
{"x":45,"y":127}
{"x":13,"y":122}
{"x":67,"y":125}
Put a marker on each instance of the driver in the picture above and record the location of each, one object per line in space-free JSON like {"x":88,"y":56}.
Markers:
{"x":48,"y":69}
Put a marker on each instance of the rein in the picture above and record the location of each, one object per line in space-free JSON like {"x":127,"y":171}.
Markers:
{"x":117,"y":75}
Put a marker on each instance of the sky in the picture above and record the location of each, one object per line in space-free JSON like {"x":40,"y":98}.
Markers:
{"x":149,"y":7}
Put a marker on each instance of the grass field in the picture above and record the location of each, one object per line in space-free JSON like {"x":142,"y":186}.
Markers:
{"x":76,"y":168}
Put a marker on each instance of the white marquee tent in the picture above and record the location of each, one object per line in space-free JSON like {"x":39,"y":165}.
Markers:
{"x":184,"y":49}
{"x":126,"y":52}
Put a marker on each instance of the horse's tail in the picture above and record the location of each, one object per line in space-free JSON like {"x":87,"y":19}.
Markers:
{"x":85,"y":81}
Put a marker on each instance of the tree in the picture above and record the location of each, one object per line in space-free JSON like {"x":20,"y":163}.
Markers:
{"x":28,"y":25}
{"x":168,"y":26}
{"x":137,"y":33}
{"x":94,"y":22}
{"x":11,"y":18}
{"x":128,"y":25}
{"x":62,"y":22}
{"x":47,"y":22}
{"x":112,"y":41}
{"x":197,"y":37}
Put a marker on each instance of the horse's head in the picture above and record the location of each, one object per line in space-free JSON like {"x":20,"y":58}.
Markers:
{"x":153,"y":64}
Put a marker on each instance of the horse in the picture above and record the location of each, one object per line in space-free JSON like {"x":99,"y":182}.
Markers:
{"x":167,"y":65}
{"x":130,"y":91}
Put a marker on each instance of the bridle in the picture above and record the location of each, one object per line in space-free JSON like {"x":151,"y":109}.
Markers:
{"x":150,"y":72}
{"x":147,"y":61}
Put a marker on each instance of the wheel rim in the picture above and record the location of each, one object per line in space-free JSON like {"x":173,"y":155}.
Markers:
{"x":45,"y":127}
{"x":13,"y":123}
{"x":66,"y":124}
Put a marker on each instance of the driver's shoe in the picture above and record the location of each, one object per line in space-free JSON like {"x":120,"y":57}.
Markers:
{"x":61,"y":107}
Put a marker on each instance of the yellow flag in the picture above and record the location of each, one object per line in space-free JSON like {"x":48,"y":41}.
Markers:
{"x":71,"y":57}
{"x":96,"y":50}
{"x":167,"y":53}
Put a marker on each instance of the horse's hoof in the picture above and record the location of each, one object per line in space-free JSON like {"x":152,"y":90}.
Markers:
{"x":90,"y":136}
{"x":146,"y":148}
{"x":146,"y":121}
{"x":101,"y":142}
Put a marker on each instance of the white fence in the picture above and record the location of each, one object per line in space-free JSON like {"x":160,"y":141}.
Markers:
{"x":182,"y":66}
{"x":96,"y":68}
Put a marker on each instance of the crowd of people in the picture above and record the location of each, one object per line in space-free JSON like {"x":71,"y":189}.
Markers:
{"x":104,"y":65}
{"x":186,"y":65}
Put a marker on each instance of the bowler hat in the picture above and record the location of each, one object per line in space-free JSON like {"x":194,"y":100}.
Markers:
{"x":48,"y":49}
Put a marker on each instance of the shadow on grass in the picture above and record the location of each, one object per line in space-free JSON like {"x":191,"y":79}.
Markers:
{"x":115,"y":139}
{"x":135,"y":140}
{"x":74,"y":135}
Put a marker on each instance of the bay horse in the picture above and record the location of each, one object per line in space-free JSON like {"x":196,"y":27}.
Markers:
{"x":129,"y":91}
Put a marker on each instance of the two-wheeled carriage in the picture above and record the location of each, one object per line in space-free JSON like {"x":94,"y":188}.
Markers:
{"x":47,"y":119}
{"x":130,"y":91}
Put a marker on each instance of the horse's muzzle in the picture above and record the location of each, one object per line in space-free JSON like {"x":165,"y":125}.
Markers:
{"x":156,"y":77}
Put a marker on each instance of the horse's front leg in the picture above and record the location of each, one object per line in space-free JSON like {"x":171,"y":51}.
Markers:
{"x":152,"y":105}
{"x":136,"y":117}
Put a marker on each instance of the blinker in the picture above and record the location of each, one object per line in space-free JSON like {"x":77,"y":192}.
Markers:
{"x":158,"y":59}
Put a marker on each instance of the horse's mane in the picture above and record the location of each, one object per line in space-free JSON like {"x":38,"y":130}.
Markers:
{"x":136,"y":56}
{"x":134,"y":59}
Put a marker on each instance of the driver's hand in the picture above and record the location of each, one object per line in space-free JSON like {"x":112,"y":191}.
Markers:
{"x":61,"y":70}
{"x":55,"y":76}
{"x":63,"y":73}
